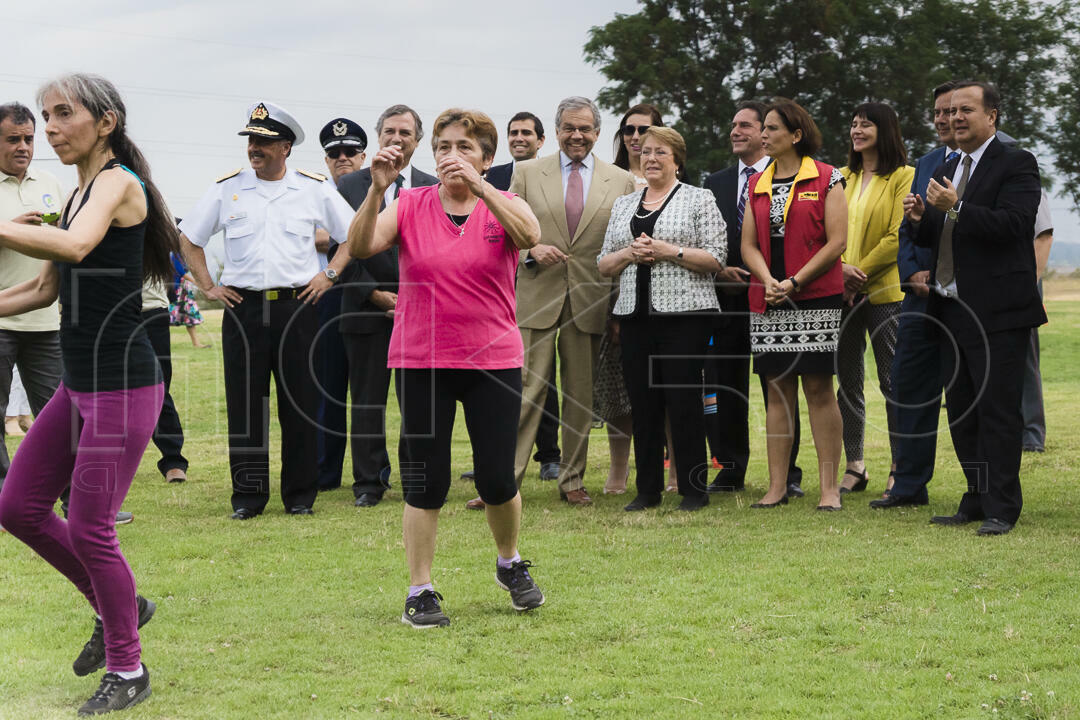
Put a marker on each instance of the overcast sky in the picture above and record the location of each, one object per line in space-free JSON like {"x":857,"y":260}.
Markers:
{"x":188,"y":70}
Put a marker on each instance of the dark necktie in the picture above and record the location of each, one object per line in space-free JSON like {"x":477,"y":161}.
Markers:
{"x":741,"y":210}
{"x":575,"y":198}
{"x":953,"y":154}
{"x":398,"y":182}
{"x":946,"y":271}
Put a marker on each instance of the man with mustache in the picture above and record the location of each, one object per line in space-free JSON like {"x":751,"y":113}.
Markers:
{"x":367,"y":312}
{"x":269,"y":286}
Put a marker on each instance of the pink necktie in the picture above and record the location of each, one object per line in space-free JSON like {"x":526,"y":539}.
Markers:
{"x":575,"y":199}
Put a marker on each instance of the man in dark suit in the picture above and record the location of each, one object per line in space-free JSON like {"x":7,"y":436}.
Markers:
{"x":525,"y":137}
{"x":917,"y":363}
{"x":979,"y":218}
{"x":727,"y":370}
{"x":367,"y":311}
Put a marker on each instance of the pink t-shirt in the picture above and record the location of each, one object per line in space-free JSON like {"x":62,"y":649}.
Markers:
{"x":456,"y":305}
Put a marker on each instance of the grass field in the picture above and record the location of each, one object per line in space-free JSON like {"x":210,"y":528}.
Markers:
{"x":724,"y":613}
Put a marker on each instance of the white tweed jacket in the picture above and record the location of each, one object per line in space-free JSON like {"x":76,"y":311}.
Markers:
{"x":690,"y":220}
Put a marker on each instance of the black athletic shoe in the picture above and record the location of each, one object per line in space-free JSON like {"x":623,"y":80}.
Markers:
{"x":423,"y":611}
{"x":524,"y":594}
{"x":92,"y":656}
{"x":115,"y":693}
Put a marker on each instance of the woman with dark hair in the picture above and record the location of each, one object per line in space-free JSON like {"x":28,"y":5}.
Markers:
{"x":793,"y":235}
{"x":114,"y":232}
{"x":455,"y":338}
{"x":628,"y":138}
{"x":877,"y":179}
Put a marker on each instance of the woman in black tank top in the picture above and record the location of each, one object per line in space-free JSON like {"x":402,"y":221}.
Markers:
{"x":115,"y":231}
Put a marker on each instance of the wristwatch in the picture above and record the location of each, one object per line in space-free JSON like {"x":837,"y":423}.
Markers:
{"x":678,"y":255}
{"x":954,"y":212}
{"x":331,"y":274}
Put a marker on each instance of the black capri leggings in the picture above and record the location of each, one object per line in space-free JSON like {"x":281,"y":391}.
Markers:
{"x":428,"y":398}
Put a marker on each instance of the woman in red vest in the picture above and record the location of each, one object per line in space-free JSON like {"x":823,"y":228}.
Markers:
{"x":793,"y":235}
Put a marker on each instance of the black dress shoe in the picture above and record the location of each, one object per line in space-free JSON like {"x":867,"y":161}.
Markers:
{"x":994,"y":526}
{"x":300,"y":510}
{"x":693,"y":503}
{"x":725,"y":483}
{"x":467,"y":475}
{"x":368,"y":499}
{"x":642,"y":502}
{"x":891,"y":501}
{"x":243,"y":514}
{"x":829,"y":508}
{"x":778,"y":503}
{"x":794,"y":490}
{"x":549,"y":471}
{"x":953,"y":520}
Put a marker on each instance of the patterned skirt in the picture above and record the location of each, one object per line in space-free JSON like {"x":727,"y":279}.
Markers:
{"x":797,"y":338}
{"x":184,"y":310}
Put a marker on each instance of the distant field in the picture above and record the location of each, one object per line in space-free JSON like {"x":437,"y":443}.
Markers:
{"x":727,"y":613}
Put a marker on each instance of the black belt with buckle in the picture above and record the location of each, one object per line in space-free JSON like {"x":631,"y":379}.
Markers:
{"x":272,"y":294}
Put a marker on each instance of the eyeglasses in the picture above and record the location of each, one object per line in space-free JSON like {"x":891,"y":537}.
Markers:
{"x":629,"y":130}
{"x":335,"y":153}
{"x":583,"y":129}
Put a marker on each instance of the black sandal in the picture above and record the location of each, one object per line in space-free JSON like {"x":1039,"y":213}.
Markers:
{"x":857,"y":487}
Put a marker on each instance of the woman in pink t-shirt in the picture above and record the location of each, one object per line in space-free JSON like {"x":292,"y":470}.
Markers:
{"x":455,"y":338}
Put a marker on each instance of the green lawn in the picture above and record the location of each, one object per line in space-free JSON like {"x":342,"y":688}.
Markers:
{"x":724,"y":613}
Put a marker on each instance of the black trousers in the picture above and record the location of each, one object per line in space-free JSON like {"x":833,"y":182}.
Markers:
{"x":491,"y":400}
{"x":662,"y":357}
{"x":727,"y":373}
{"x":37,"y":355}
{"x":169,"y":434}
{"x":369,"y":381}
{"x":547,"y":433}
{"x":983,"y":403}
{"x":260,"y":338}
{"x":333,"y":382}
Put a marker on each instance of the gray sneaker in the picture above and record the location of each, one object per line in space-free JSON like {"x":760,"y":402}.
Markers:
{"x":116,"y":693}
{"x":524,"y":594}
{"x":92,"y":657}
{"x":423,"y":611}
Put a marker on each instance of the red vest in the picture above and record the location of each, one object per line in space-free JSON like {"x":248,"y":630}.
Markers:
{"x":804,"y":229}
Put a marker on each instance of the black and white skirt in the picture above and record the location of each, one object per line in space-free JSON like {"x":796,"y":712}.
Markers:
{"x":797,"y":338}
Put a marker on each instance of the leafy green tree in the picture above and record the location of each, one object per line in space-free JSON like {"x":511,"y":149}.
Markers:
{"x":697,"y":59}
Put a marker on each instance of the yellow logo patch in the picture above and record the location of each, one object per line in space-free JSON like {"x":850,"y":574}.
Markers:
{"x":809,"y":195}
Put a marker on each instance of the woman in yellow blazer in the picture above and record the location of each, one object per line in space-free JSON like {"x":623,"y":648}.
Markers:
{"x":878,"y":179}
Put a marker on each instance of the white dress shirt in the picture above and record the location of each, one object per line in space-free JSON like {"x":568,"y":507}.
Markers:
{"x":269,"y":227}
{"x":585,"y":171}
{"x":759,"y":166}
{"x":406,"y":173}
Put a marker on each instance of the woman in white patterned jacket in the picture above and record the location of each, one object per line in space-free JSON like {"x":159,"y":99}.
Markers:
{"x":664,"y":243}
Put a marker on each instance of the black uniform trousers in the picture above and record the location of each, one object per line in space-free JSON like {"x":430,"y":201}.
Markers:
{"x":662,"y":358}
{"x":547,"y":433}
{"x":260,"y":337}
{"x":727,"y":373}
{"x":984,"y":382}
{"x":333,"y":383}
{"x":369,"y":382}
{"x":169,"y":434}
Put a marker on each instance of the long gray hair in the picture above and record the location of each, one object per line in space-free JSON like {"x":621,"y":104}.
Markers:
{"x":99,"y":96}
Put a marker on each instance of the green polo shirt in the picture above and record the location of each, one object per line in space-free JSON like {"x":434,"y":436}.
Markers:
{"x":38,"y":191}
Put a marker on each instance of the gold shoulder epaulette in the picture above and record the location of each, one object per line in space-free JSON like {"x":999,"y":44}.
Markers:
{"x":312,"y":175}
{"x":226,"y":176}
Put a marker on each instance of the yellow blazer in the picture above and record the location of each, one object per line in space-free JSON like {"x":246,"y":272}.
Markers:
{"x":874,"y":249}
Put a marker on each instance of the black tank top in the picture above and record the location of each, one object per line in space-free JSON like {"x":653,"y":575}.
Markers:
{"x":102,"y":340}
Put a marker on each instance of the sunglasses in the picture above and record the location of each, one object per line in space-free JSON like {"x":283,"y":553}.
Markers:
{"x":335,"y":153}
{"x":629,"y":130}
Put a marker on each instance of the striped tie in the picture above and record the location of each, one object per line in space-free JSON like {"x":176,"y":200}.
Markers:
{"x":741,"y":210}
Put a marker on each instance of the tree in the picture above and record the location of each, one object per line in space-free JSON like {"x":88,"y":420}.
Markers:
{"x":1065,"y":141}
{"x":697,"y":59}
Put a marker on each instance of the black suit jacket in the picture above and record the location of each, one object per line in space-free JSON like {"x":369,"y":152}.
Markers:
{"x":724,"y":184}
{"x":500,"y":175}
{"x":993,"y":252}
{"x":378,"y":272}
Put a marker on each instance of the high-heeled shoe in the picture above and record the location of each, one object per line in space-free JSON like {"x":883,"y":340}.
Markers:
{"x":614,"y":489}
{"x":858,"y":486}
{"x":778,"y":503}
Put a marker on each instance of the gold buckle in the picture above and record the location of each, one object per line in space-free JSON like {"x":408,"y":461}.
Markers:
{"x":271,"y":294}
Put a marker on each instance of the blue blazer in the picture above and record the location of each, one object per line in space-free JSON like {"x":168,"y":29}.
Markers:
{"x":911,"y":258}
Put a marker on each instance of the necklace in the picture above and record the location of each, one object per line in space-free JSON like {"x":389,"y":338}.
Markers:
{"x":461,"y":227}
{"x":659,"y":203}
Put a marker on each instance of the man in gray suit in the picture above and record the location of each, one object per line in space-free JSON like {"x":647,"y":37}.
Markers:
{"x":367,"y":313}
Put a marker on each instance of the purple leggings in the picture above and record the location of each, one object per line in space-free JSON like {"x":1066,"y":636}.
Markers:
{"x":94,"y":441}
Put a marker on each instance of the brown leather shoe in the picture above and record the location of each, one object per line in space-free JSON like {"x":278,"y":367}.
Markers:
{"x":475,"y":504}
{"x":579,"y":497}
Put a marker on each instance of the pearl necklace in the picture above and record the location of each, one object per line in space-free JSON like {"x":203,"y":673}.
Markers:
{"x":659,"y":203}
